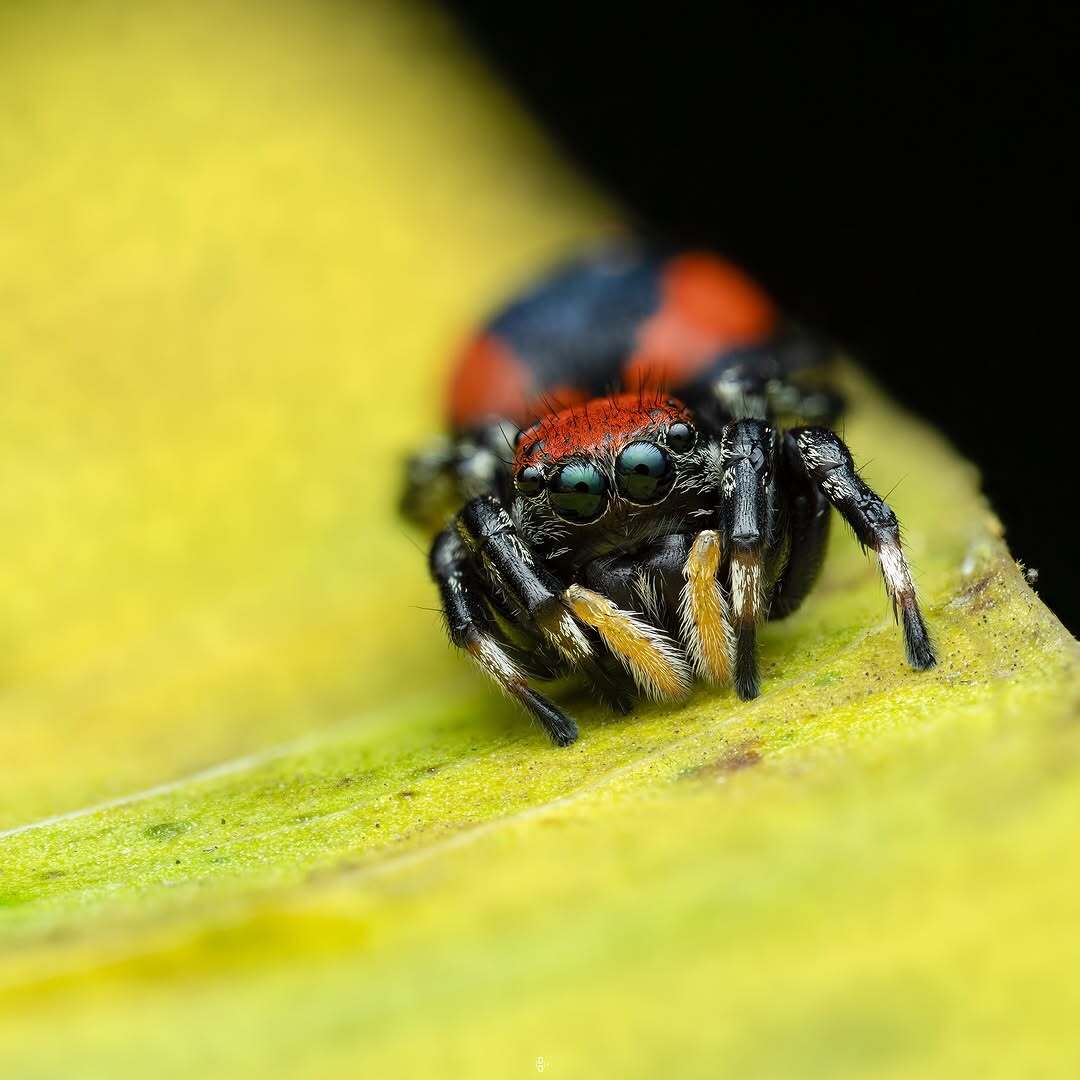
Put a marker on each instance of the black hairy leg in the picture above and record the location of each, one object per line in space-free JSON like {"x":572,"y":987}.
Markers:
{"x":643,"y":650}
{"x":828,"y":463}
{"x":747,"y":452}
{"x":472,"y":628}
{"x":483,"y":566}
{"x":503,"y":558}
{"x":804,"y":518}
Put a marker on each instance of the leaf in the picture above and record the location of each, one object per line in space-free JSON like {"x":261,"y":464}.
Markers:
{"x":256,"y":816}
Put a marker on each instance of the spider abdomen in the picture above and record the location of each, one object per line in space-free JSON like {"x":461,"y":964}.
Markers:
{"x":616,"y":320}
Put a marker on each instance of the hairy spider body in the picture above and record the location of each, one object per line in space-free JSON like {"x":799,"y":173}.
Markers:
{"x":639,"y":470}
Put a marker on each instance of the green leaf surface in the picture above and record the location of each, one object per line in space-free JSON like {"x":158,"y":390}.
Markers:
{"x":255,"y":815}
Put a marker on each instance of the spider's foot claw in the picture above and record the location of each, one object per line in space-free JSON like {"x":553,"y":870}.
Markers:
{"x":919,"y":647}
{"x":747,"y":678}
{"x":747,"y":690}
{"x":560,"y":728}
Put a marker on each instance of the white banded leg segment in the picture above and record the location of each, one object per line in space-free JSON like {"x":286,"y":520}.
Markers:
{"x":747,"y":595}
{"x":901,"y":589}
{"x":487,"y":529}
{"x":895,"y":571}
{"x":487,"y":652}
{"x":471,"y":627}
{"x":490,"y":656}
{"x":704,"y":617}
{"x":747,"y":608}
{"x":559,"y":627}
{"x":828,"y":462}
{"x":649,"y":656}
{"x":748,"y":457}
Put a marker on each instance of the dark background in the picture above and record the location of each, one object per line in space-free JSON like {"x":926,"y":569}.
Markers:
{"x":904,"y":179}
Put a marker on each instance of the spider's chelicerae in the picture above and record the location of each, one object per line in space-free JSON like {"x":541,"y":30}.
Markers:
{"x":640,"y":470}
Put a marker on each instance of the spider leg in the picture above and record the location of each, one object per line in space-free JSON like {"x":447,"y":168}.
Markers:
{"x":806,"y":521}
{"x":489,"y":533}
{"x":747,"y":450}
{"x":472,"y":628}
{"x":828,"y":463}
{"x":650,"y":658}
{"x":523,"y":642}
{"x":619,"y":578}
{"x":706,"y":619}
{"x":649,"y":582}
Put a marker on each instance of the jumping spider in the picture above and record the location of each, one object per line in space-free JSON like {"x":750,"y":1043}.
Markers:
{"x":641,"y":470}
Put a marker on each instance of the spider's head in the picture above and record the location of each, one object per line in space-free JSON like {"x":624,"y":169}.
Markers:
{"x":624,"y":468}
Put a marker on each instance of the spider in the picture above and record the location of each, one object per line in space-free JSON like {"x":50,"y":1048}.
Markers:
{"x":640,"y":470}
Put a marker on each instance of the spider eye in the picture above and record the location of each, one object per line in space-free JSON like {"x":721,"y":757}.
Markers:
{"x":644,"y":473}
{"x":578,"y":493}
{"x":680,"y":437}
{"x":529,"y":481}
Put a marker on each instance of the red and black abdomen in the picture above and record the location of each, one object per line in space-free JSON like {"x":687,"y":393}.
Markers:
{"x":619,"y":320}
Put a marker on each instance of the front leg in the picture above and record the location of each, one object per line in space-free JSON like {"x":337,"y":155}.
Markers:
{"x":706,"y":617}
{"x":556,"y":614}
{"x":805,"y":515}
{"x":489,"y":533}
{"x":472,"y":628}
{"x":747,"y":461}
{"x":674,"y":583}
{"x":828,"y":463}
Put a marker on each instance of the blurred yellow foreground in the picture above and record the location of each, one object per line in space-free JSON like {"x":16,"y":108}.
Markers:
{"x":237,"y":246}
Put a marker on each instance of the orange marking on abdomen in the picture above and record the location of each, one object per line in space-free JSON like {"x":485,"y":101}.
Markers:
{"x":707,"y":306}
{"x":489,"y":382}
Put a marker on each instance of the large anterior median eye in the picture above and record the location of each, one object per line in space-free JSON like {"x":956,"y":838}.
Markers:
{"x":578,"y":493}
{"x":643,"y":472}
